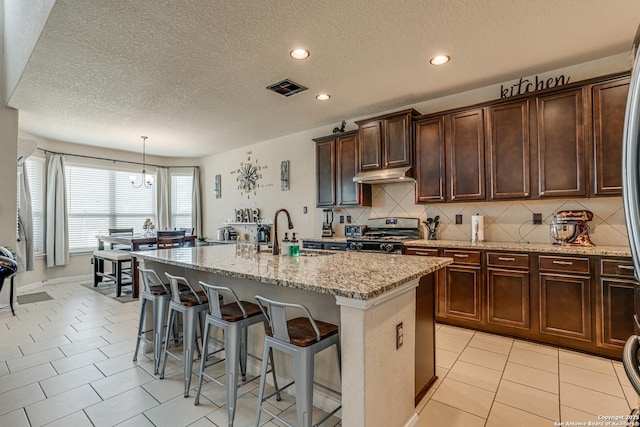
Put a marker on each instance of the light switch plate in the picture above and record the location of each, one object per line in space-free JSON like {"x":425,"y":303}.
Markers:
{"x":459,"y":219}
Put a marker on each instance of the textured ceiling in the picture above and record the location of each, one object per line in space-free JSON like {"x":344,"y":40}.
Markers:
{"x":191,"y":75}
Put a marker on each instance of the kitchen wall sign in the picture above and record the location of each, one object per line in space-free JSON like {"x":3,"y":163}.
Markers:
{"x":248,"y":215}
{"x":217,"y":189}
{"x":535,"y":84}
{"x":284,"y":175}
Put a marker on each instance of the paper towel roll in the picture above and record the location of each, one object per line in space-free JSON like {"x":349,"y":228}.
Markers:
{"x":477,"y":229}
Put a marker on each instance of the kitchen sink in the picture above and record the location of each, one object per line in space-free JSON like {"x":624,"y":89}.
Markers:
{"x":315,"y":253}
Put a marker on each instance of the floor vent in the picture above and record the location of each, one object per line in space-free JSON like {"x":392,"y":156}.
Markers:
{"x":286,"y":87}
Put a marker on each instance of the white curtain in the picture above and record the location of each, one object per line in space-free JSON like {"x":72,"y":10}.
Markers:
{"x":196,"y":207}
{"x":25,"y":222}
{"x":57,"y":235}
{"x":163,"y":203}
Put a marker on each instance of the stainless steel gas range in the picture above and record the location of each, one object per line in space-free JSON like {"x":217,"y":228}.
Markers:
{"x":384,"y":235}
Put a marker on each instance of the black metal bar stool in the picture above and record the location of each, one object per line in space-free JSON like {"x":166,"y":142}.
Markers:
{"x":192,"y":305}
{"x":302,"y":338}
{"x":234,"y":319}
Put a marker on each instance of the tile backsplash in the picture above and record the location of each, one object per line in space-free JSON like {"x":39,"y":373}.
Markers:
{"x":509,"y":221}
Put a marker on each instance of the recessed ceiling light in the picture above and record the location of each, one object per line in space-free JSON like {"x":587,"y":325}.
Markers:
{"x":299,"y":53}
{"x":323,"y":97}
{"x":440,"y":60}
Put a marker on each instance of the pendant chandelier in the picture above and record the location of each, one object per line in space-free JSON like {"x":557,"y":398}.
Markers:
{"x":147,"y":180}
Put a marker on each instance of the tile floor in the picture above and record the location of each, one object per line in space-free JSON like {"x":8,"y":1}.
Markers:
{"x":68,"y":362}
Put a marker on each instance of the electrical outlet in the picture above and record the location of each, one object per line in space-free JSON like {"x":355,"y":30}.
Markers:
{"x":399,"y":335}
{"x":304,"y":210}
{"x":341,"y":219}
{"x":459,"y":219}
{"x":537,"y":218}
{"x":348,"y":219}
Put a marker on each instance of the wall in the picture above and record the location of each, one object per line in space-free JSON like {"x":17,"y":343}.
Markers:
{"x":506,"y":221}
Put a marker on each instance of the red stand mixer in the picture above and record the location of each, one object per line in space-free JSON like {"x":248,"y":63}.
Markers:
{"x":571,"y":228}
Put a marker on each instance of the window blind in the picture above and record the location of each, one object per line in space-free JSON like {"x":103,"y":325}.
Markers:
{"x":102,"y":198}
{"x":181,"y":200}
{"x":35,"y":175}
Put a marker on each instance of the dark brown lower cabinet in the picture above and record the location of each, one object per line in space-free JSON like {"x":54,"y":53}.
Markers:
{"x":508,"y":298}
{"x":565,"y":306}
{"x":463,"y":293}
{"x":615,"y":303}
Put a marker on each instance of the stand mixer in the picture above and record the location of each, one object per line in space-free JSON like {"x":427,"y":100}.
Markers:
{"x":327,"y":224}
{"x":571,"y":228}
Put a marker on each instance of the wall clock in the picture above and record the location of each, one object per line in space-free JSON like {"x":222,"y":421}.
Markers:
{"x":247,"y":176}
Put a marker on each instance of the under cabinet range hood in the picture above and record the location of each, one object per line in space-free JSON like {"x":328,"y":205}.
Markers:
{"x":385,"y":176}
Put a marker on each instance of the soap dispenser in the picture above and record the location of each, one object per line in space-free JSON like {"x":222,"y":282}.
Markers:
{"x":294,"y":248}
{"x":284,"y":247}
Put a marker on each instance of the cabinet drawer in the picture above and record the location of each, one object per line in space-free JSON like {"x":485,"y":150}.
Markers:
{"x":564,"y":264}
{"x":416,"y":250}
{"x":502,"y":259}
{"x":617,"y":268}
{"x":312,"y":245}
{"x":463,"y":257}
{"x":334,"y":246}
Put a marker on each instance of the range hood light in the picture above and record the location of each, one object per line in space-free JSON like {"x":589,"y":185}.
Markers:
{"x":384,"y":176}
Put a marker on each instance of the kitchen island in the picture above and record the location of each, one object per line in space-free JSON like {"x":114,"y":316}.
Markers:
{"x":367,"y":295}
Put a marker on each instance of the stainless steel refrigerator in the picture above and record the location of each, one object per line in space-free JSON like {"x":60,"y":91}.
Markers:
{"x":631,"y":200}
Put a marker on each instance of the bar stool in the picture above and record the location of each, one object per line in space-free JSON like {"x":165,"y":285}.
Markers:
{"x":234,"y":319}
{"x":302,"y":338}
{"x":159,"y":294}
{"x":192,"y":305}
{"x":118,"y":259}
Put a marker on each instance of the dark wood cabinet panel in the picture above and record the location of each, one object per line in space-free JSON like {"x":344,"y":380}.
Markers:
{"x":561,"y":145}
{"x":430,"y":160}
{"x":397,"y":145}
{"x":465,"y":152}
{"x":347,"y":166}
{"x":336,"y":165}
{"x":609,"y":104}
{"x":508,"y":142}
{"x":325,"y":173}
{"x":371,"y":146}
{"x":463,"y":293}
{"x":565,"y":306}
{"x":615,"y":309}
{"x":508,"y":298}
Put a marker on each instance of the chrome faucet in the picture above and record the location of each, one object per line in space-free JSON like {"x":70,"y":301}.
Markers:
{"x":276,"y":245}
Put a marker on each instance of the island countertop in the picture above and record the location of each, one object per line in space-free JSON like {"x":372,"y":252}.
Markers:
{"x":346,"y":274}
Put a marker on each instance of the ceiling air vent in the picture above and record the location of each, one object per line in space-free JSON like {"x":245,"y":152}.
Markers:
{"x":286,"y":87}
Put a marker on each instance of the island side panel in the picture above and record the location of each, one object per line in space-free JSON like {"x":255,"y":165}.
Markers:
{"x":378,"y":379}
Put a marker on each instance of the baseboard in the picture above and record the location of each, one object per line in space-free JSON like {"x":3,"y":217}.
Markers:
{"x":413,"y":421}
{"x":30,"y":286}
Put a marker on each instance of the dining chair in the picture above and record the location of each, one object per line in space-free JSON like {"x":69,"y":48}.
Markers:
{"x":169,"y":239}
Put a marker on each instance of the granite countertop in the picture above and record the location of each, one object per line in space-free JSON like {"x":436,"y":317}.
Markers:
{"x":623,"y":251}
{"x":335,"y":239}
{"x":347,"y":274}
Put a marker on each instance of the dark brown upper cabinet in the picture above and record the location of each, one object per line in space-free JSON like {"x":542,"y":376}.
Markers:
{"x":465,"y":152}
{"x":561,"y":144}
{"x":336,"y":165}
{"x":386,"y":141}
{"x":609,"y":102}
{"x":326,"y":173}
{"x":430,"y":160}
{"x":509,"y":156}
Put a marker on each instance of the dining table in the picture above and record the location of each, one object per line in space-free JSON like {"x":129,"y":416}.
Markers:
{"x":135,"y":242}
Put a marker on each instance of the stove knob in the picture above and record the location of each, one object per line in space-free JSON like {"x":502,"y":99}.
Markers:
{"x":352,"y":246}
{"x":387,"y":247}
{"x":359,"y":246}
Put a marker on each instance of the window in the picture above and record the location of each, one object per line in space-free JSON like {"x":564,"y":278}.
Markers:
{"x":181,"y":199}
{"x":101,"y":198}
{"x":35,"y":176}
